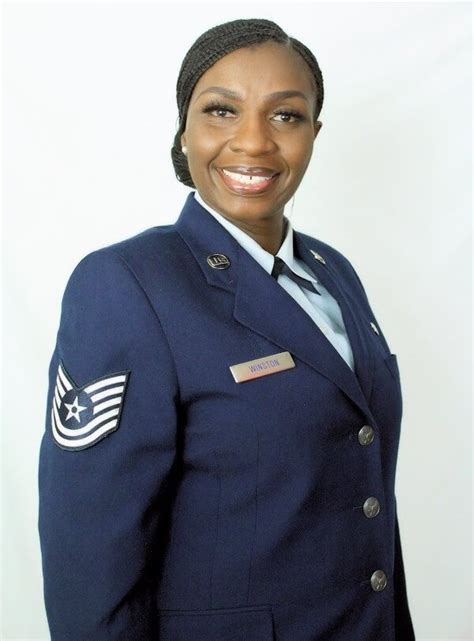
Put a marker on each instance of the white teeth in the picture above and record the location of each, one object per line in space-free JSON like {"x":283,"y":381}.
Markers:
{"x":247,"y":180}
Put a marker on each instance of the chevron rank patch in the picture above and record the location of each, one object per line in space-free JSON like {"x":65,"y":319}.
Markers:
{"x":83,"y":416}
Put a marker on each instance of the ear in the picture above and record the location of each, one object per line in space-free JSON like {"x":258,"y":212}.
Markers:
{"x":183,"y":140}
{"x":317,"y":126}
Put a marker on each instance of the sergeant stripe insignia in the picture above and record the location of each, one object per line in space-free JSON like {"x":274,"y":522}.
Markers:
{"x":83,"y":416}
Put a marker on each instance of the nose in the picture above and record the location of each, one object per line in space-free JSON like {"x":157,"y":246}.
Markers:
{"x":253,"y":136}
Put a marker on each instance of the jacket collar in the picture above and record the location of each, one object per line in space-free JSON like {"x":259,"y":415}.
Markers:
{"x":262,"y":305}
{"x":261,"y":255}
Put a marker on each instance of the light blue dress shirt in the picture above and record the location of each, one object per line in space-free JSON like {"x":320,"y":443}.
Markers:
{"x":323,"y":309}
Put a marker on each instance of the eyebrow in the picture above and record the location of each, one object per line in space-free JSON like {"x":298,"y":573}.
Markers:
{"x":276,"y":95}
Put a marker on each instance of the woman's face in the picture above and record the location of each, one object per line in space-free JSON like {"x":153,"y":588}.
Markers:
{"x":234,"y":123}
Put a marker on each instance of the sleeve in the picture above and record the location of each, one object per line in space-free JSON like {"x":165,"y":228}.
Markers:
{"x":106,"y":457}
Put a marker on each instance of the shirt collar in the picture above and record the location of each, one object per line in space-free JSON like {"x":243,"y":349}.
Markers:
{"x":262,"y":256}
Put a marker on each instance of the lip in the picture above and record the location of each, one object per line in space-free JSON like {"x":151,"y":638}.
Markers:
{"x":239,"y":188}
{"x":252,"y":171}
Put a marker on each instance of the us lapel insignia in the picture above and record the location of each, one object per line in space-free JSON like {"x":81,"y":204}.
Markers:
{"x":218,"y":261}
{"x":318,"y":256}
{"x":261,"y":367}
{"x":83,"y":416}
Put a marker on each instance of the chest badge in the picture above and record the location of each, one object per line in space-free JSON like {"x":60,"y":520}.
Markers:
{"x":258,"y":367}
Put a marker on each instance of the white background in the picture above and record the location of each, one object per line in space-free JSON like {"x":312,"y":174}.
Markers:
{"x":89,"y":117}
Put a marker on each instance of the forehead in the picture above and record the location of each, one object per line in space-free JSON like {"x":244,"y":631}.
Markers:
{"x":264,"y":68}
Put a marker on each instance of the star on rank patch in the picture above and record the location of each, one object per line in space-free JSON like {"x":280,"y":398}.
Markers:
{"x":83,"y":416}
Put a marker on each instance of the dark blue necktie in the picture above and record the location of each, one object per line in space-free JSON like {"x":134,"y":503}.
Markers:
{"x":280,"y":267}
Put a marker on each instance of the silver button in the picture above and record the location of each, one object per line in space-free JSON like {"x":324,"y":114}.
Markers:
{"x":366,"y":435}
{"x":378,"y":581}
{"x":371,"y":507}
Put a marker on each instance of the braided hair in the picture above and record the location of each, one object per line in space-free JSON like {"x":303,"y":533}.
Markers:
{"x":212,"y":45}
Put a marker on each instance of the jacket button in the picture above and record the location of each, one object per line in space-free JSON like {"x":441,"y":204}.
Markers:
{"x":371,"y":507}
{"x":378,"y":580}
{"x":366,"y":435}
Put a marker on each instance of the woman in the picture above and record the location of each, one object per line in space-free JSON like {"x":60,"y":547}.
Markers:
{"x":224,"y":412}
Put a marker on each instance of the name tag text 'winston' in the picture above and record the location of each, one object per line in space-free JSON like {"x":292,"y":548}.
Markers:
{"x":261,"y":367}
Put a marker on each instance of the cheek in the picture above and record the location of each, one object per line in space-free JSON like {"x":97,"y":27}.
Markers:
{"x":205,"y":140}
{"x":298,"y":159}
{"x":204,"y":151}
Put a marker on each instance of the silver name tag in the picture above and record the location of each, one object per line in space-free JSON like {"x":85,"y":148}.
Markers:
{"x":262,"y":367}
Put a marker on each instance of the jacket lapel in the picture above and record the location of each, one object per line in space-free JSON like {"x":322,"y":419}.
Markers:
{"x":262,"y":305}
{"x":337,"y":286}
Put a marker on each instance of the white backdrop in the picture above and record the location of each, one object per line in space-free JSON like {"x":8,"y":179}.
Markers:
{"x":89,"y":117}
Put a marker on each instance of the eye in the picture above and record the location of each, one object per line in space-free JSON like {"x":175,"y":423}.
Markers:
{"x":216,"y":106}
{"x":292,"y":114}
{"x":287,"y":113}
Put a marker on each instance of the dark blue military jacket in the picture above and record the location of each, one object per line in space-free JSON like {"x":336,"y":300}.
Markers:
{"x":177,"y":504}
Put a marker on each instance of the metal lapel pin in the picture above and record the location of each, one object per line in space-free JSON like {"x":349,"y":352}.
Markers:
{"x":218,"y":261}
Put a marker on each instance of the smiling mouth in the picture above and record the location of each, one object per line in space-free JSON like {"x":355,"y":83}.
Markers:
{"x":246,"y":184}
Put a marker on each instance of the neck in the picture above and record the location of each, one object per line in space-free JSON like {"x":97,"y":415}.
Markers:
{"x":268,"y":234}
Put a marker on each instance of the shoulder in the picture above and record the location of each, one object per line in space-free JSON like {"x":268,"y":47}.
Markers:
{"x":107,"y":264}
{"x":155,"y":241}
{"x":105,"y":295}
